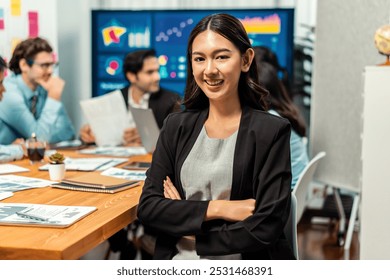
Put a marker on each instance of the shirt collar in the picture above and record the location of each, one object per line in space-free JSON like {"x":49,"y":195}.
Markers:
{"x":144,"y":102}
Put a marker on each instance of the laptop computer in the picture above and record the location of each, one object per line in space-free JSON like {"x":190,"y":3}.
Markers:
{"x":147,"y":127}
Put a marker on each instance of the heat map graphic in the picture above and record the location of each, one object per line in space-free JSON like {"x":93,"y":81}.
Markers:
{"x":267,"y":25}
{"x":112,"y":34}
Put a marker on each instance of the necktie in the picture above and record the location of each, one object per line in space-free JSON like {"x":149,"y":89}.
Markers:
{"x":34,"y":100}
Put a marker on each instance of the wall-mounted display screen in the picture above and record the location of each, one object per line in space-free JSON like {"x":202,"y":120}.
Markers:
{"x":116,"y":33}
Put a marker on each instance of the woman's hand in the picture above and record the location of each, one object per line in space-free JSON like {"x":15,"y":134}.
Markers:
{"x":170,"y":190}
{"x":230,"y":210}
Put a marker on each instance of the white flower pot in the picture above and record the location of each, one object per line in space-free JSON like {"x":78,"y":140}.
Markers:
{"x":57,"y":171}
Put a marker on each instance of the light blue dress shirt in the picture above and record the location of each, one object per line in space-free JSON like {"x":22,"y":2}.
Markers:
{"x":298,"y":153}
{"x":51,"y":123}
{"x":10,"y":152}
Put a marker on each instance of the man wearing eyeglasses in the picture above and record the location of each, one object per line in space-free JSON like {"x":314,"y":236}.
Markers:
{"x":32,"y":101}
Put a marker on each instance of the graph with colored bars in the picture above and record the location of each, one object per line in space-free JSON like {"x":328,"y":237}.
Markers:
{"x":267,"y":25}
{"x":136,"y":38}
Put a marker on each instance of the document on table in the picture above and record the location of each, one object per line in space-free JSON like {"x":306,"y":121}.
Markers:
{"x":125,"y":174}
{"x":13,"y":183}
{"x":88,"y":164}
{"x":115,"y":151}
{"x":42,"y":214}
{"x":107,"y":115}
{"x":11,"y":168}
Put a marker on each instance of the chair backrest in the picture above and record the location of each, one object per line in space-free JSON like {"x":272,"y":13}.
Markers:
{"x":302,"y":186}
{"x":290,"y":229}
{"x":298,"y":202}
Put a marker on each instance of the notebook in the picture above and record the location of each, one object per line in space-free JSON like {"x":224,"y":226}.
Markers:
{"x":93,"y":182}
{"x":147,"y":127}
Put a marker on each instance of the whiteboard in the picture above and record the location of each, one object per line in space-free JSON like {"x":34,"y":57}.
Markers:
{"x":21,"y":19}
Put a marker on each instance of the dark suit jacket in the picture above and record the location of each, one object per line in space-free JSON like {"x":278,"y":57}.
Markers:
{"x":261,"y":170}
{"x":162,"y":103}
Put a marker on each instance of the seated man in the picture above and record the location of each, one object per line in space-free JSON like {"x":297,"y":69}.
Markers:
{"x":7,"y":152}
{"x":141,"y":69}
{"x":32,"y":101}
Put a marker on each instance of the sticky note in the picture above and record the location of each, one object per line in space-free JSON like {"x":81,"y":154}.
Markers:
{"x":16,"y":8}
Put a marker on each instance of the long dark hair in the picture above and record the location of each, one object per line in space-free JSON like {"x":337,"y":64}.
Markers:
{"x":250,"y":92}
{"x":280,"y":100}
{"x":27,"y":50}
{"x":3,"y":64}
{"x":265,"y":54}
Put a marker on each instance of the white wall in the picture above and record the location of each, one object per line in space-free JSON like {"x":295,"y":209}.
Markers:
{"x":16,"y":27}
{"x":74,"y":30}
{"x":344,"y":46}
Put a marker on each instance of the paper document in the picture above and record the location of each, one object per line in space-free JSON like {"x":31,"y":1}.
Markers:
{"x":88,"y":164}
{"x":115,"y":151}
{"x":107,"y":115}
{"x":125,"y":174}
{"x":13,"y":183}
{"x":42,"y":214}
{"x":11,"y":168}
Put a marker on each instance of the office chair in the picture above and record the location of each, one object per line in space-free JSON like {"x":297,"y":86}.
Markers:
{"x":302,"y":186}
{"x":290,"y":229}
{"x":299,"y":201}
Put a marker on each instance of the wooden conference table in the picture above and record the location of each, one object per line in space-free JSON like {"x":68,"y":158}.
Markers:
{"x":114,"y":211}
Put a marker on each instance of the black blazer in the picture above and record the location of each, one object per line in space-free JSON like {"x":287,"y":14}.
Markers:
{"x":162,"y":103}
{"x":261,"y":170}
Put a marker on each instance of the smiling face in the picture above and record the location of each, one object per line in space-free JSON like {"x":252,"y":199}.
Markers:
{"x":217,"y":65}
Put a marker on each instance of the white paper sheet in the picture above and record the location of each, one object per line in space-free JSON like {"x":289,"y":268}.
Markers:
{"x":13,"y":183}
{"x":11,"y":168}
{"x":88,"y":164}
{"x":125,"y":174}
{"x":107,"y":116}
{"x":115,"y":151}
{"x":41,"y":214}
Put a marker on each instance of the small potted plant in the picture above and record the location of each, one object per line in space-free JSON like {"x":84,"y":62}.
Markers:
{"x":57,"y":166}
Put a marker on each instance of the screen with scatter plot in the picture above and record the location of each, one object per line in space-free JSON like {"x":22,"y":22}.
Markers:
{"x":116,"y":33}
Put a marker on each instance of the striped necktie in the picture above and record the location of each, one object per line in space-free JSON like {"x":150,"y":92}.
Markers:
{"x":33,"y":109}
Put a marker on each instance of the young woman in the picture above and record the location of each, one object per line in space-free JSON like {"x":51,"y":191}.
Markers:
{"x":282,"y":105}
{"x":219,"y":183}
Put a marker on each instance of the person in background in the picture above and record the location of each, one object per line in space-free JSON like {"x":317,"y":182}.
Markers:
{"x":282,"y":105}
{"x":14,"y":151}
{"x":219,"y":183}
{"x":32,"y":101}
{"x":141,"y":69}
{"x":267,"y":55}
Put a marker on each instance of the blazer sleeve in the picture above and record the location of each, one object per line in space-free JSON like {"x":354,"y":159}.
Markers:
{"x":174,"y":217}
{"x":265,"y":226}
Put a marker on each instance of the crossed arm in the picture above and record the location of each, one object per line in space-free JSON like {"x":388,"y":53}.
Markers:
{"x":229,"y":210}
